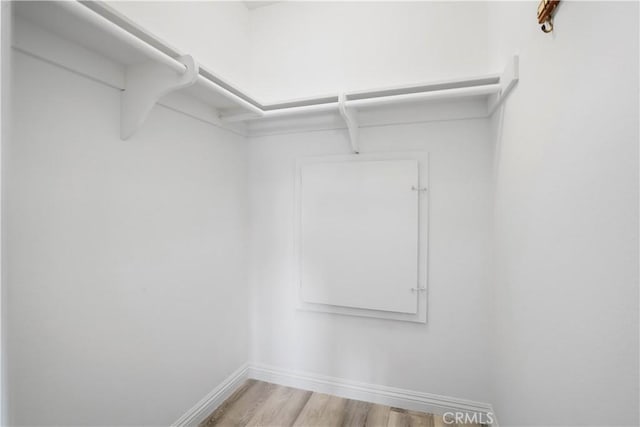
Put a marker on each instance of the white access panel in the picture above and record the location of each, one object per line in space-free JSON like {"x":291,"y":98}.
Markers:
{"x":359,"y":234}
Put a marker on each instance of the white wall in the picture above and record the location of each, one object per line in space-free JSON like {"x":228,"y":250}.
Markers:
{"x":5,"y":119}
{"x":326,"y":47}
{"x":214,"y":32}
{"x":300,"y":49}
{"x":154,"y":227}
{"x":450,"y":355}
{"x":126,"y":263}
{"x":567,"y":217}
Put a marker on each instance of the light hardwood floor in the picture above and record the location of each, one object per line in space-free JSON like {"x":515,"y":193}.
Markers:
{"x":258,"y":403}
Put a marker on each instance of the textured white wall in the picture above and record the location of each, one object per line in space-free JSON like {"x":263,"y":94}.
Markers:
{"x":567,"y":217}
{"x":450,"y":355}
{"x":125,"y":260}
{"x":299,"y":49}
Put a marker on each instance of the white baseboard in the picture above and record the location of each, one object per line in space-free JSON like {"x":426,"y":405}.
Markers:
{"x":211,"y":401}
{"x":390,"y":396}
{"x":383,"y":395}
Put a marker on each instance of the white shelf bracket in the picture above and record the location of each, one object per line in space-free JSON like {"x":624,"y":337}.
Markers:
{"x":145,"y":84}
{"x":508,"y":80}
{"x":350,"y":118}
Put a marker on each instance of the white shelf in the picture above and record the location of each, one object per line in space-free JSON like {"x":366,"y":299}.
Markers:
{"x":58,"y":18}
{"x":105,"y":32}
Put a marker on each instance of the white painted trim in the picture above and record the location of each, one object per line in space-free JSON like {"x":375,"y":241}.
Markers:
{"x":383,"y":395}
{"x":211,"y":401}
{"x":390,"y":396}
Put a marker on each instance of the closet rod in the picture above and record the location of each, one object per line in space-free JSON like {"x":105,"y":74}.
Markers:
{"x":123,"y":35}
{"x":86,"y":14}
{"x":255,"y":111}
{"x":370,"y":102}
{"x":422,"y":96}
{"x":282,"y":112}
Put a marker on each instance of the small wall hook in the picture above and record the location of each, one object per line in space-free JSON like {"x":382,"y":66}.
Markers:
{"x":547,"y":27}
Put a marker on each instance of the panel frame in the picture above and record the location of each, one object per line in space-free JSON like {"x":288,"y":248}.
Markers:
{"x":423,"y":234}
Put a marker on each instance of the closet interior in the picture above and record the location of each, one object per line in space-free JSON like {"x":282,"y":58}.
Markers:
{"x":428,"y":207}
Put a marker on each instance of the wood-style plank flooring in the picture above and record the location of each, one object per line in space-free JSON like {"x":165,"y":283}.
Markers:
{"x":258,"y":403}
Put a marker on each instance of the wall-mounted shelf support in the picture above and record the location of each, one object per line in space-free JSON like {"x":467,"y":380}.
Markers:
{"x":508,"y":80}
{"x":145,"y":84}
{"x":349,"y":116}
